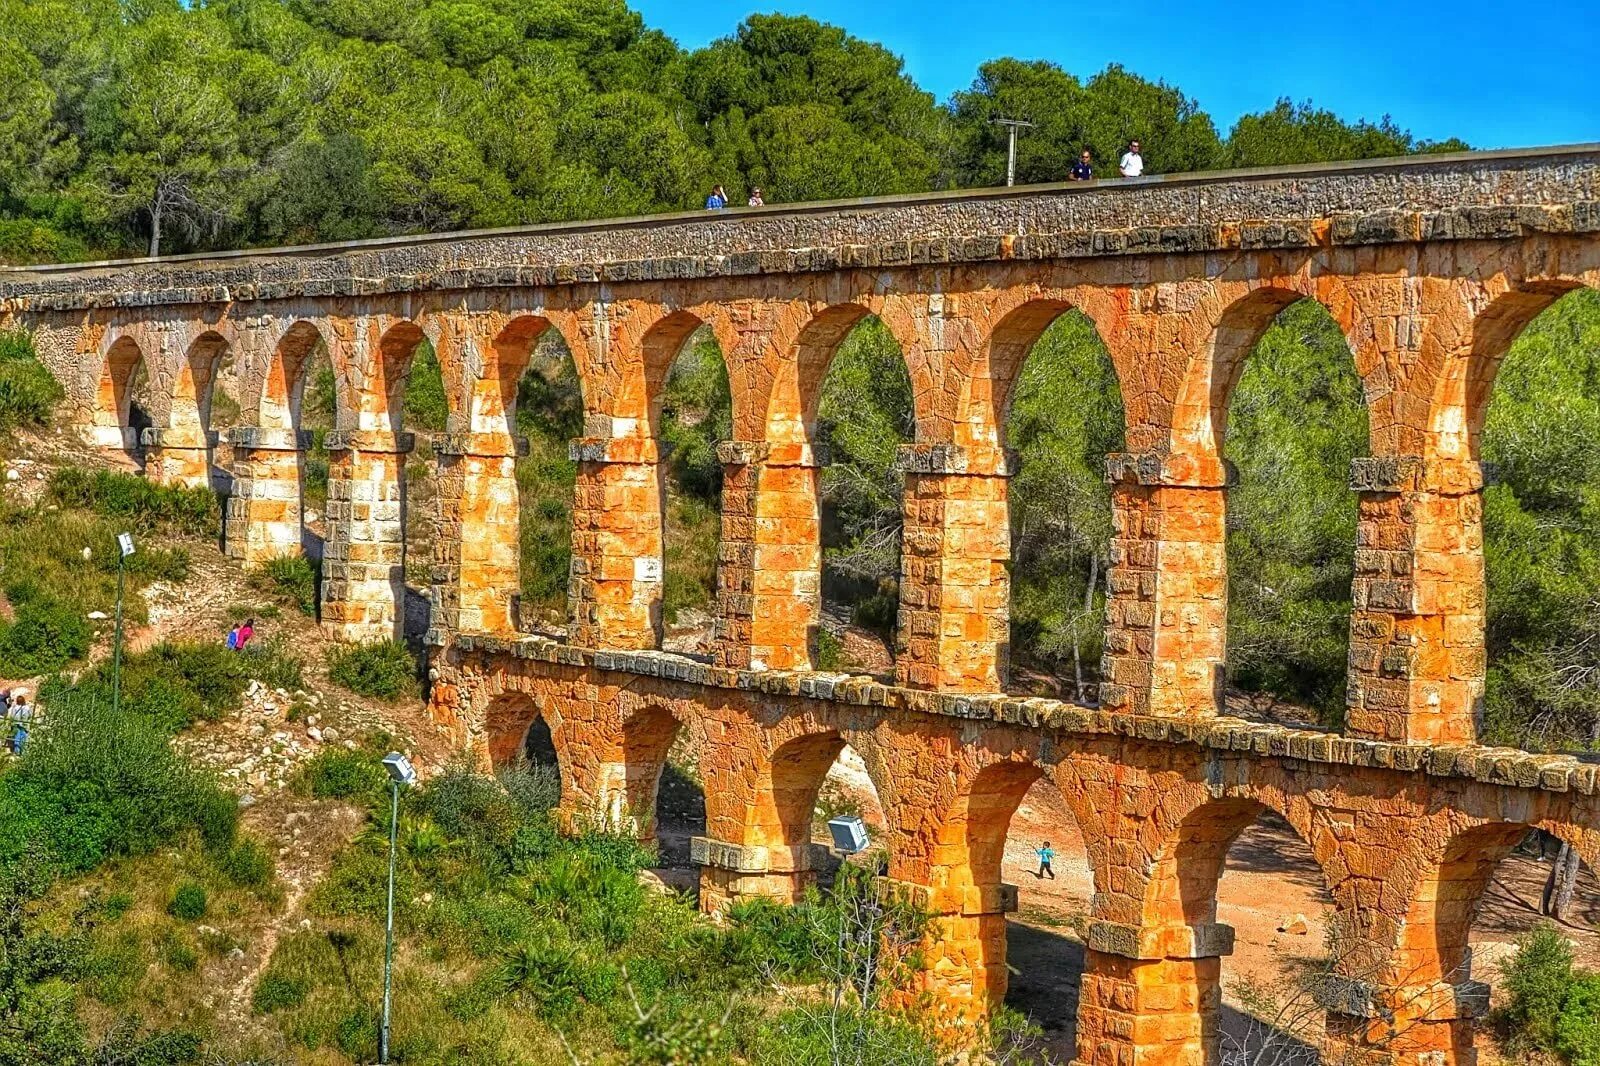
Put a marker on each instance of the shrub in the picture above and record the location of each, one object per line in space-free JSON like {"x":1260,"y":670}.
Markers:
{"x":291,"y":579}
{"x":46,"y":636}
{"x":188,"y":902}
{"x":1537,"y":979}
{"x":271,"y":663}
{"x":830,"y":651}
{"x":146,"y":505}
{"x":339,"y":773}
{"x":247,"y":864}
{"x":28,"y":392}
{"x":384,"y":670}
{"x":275,"y":992}
{"x":92,"y":785}
{"x":1552,"y":1006}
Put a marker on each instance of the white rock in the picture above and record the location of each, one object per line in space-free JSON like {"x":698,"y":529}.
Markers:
{"x":98,"y":616}
{"x":313,"y":733}
{"x":12,"y":475}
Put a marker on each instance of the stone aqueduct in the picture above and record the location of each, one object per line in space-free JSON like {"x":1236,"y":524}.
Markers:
{"x":1431,"y":266}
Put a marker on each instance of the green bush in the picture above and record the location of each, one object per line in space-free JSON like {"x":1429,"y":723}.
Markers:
{"x":92,"y":785}
{"x":188,"y":902}
{"x":339,"y":773}
{"x":291,"y":580}
{"x":384,"y":670}
{"x":247,"y":864}
{"x":28,"y":392}
{"x":270,"y":662}
{"x":148,"y":507}
{"x":1551,"y":1006}
{"x":275,"y":992}
{"x":45,"y":636}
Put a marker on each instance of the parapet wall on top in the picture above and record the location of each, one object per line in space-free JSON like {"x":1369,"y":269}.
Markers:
{"x":1475,"y":195}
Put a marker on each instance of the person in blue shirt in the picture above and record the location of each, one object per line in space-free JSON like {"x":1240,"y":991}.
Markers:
{"x":1047,"y":855}
{"x":717,"y":200}
{"x":1083,"y":169}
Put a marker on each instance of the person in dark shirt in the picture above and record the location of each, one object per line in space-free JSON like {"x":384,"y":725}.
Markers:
{"x":1083,"y":169}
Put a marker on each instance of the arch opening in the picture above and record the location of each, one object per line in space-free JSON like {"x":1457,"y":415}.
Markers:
{"x":1058,"y":404}
{"x":536,"y":371}
{"x":856,"y":402}
{"x":1494,"y":900}
{"x":1014,"y":816}
{"x":1533,"y":413}
{"x":1271,"y":891}
{"x":122,"y":404}
{"x":1289,"y":409}
{"x":664,"y":797}
{"x":300,"y":397}
{"x":691,"y":413}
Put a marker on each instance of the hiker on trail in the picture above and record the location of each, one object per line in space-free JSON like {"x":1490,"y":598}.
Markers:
{"x":1047,"y":855}
{"x":717,"y":200}
{"x":1083,"y":169}
{"x":755,"y":199}
{"x":233,"y":637}
{"x":1132,"y":164}
{"x":20,"y":716}
{"x":246,"y":631}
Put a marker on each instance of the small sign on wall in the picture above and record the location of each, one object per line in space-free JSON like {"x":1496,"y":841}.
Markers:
{"x":647,"y":568}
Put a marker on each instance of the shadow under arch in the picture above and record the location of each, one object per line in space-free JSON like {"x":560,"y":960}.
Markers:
{"x":518,"y":729}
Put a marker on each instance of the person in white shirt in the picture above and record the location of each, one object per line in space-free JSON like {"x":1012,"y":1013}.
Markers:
{"x":1132,"y":164}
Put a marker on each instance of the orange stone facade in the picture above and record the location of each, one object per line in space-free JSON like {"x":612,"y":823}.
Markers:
{"x":1430,"y":266}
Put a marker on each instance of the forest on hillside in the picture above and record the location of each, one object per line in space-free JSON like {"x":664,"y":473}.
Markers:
{"x":155,"y":125}
{"x":129,"y":126}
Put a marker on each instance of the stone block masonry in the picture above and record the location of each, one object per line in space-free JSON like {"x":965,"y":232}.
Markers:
{"x":1431,"y":266}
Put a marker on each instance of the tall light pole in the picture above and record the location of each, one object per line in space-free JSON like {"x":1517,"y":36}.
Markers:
{"x":1012,"y":125}
{"x":401,"y":772}
{"x":124,"y":549}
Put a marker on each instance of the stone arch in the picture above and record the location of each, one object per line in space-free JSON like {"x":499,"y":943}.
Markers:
{"x":797,"y":390}
{"x":512,"y":719}
{"x":795,"y":773}
{"x":1200,"y":415}
{"x":191,"y":399}
{"x":648,"y":733}
{"x":660,"y":347}
{"x":381,"y":404}
{"x":278,"y":406}
{"x":112,"y":417}
{"x":492,"y":408}
{"x":1190,"y":861}
{"x":1465,"y":382}
{"x":1434,"y":936}
{"x":983,"y":816}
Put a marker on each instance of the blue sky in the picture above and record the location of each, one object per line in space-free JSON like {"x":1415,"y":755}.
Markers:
{"x":1495,"y":74}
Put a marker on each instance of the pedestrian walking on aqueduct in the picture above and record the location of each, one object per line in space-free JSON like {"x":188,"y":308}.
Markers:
{"x":755,"y":199}
{"x":717,"y":200}
{"x":1083,"y":169}
{"x":1132,"y":164}
{"x":1047,"y":856}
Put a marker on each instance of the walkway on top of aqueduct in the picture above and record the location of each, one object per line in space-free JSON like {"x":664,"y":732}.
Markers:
{"x":1431,"y":266}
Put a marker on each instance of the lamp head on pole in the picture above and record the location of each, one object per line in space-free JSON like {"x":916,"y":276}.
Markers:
{"x":125,"y":544}
{"x":401,"y":772}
